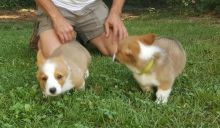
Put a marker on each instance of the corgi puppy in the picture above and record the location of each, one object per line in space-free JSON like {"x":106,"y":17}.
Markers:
{"x":154,"y":61}
{"x":65,"y":69}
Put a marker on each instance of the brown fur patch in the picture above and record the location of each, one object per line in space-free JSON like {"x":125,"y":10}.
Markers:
{"x":78,"y":83}
{"x":40,"y":58}
{"x":129,"y":49}
{"x":61,"y":71}
{"x":165,"y":85}
{"x":42,"y":78}
{"x":60,"y":76}
{"x":128,"y":52}
{"x":147,"y":39}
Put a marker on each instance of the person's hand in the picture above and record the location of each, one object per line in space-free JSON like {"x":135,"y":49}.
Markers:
{"x":114,"y":23}
{"x":64,"y":30}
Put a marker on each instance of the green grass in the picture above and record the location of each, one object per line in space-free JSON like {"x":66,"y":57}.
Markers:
{"x":112,"y":97}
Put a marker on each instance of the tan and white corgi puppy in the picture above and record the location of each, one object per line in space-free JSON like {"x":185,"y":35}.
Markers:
{"x":154,"y":61}
{"x":65,"y":69}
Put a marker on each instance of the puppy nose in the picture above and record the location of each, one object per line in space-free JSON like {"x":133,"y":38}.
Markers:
{"x":52,"y":90}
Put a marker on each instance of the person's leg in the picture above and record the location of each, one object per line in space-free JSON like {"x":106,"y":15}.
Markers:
{"x":48,"y":42}
{"x":48,"y":39}
{"x":90,"y":27}
{"x":104,"y":44}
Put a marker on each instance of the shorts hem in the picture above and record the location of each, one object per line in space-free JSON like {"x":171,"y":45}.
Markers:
{"x":96,"y":34}
{"x":43,"y":29}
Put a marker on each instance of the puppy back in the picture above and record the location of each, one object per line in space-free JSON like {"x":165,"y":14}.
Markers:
{"x":74,"y":52}
{"x":174,"y":50}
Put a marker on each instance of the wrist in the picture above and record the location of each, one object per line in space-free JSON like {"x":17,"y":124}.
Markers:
{"x":115,"y":12}
{"x":55,"y":17}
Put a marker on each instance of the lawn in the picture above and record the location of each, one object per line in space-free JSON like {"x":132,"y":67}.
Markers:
{"x":112,"y":97}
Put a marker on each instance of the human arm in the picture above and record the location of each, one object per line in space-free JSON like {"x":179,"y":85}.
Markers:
{"x":115,"y":23}
{"x":63,"y":29}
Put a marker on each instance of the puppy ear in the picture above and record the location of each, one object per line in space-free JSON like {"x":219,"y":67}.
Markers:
{"x":38,"y":75}
{"x":148,"y":39}
{"x":130,"y":55}
{"x":40,"y":58}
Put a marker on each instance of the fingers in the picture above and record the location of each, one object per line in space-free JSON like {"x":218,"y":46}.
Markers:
{"x":61,"y":37}
{"x":125,"y":32}
{"x":64,"y":30}
{"x":115,"y":34}
{"x":122,"y":32}
{"x":72,"y":34}
{"x":119,"y":33}
{"x":106,"y":29}
{"x":67,"y":35}
{"x":115,"y":28}
{"x":66,"y":38}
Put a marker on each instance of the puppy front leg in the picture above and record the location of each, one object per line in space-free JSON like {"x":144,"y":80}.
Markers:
{"x":87,"y":74}
{"x":146,"y":88}
{"x":80,"y":86}
{"x":163,"y":92}
{"x":79,"y":81}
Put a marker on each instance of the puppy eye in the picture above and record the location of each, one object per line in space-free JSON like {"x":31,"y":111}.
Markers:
{"x":59,"y":77}
{"x":44,"y":78}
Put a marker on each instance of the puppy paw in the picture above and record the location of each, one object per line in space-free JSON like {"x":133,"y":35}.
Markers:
{"x":148,"y":89}
{"x":162,"y":96}
{"x":87,"y":74}
{"x":81,"y":87}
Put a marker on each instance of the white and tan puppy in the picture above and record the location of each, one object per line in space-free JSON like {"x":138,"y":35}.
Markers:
{"x":154,"y":61}
{"x":65,"y":69}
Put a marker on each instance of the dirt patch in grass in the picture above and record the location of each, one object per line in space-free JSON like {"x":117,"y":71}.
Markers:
{"x":22,"y":15}
{"x":30,"y":15}
{"x":128,"y":14}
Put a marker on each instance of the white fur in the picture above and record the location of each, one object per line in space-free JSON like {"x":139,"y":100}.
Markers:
{"x":147,"y":79}
{"x":49,"y":70}
{"x":162,"y":96}
{"x":82,"y":87}
{"x":87,"y":74}
{"x":147,"y":51}
{"x":68,"y":84}
{"x":133,"y":69}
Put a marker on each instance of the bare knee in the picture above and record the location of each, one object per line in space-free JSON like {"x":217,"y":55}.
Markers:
{"x":106,"y":53}
{"x":48,"y":42}
{"x":45,"y":51}
{"x":104,"y":45}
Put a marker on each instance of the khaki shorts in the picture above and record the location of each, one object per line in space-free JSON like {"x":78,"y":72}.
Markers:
{"x":88,"y":22}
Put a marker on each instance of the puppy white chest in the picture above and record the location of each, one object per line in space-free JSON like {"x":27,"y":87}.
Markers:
{"x":147,"y":79}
